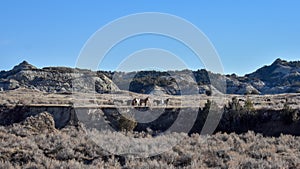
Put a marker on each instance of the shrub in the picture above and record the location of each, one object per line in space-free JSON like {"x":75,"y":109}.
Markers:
{"x":288,"y":114}
{"x":234,"y":105}
{"x":238,"y":118}
{"x":249,"y":109}
{"x":127,"y":123}
{"x":77,"y":150}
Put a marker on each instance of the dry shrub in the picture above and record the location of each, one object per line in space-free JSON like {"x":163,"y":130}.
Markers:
{"x":71,"y":147}
{"x":127,"y":123}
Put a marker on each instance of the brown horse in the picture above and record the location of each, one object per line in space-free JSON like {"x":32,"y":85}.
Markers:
{"x":167,"y":101}
{"x":145,"y":102}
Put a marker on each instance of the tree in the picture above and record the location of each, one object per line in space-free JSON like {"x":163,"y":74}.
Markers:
{"x":288,"y":114}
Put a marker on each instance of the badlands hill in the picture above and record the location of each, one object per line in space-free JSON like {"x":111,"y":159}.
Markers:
{"x":53,"y":79}
{"x":27,"y":91}
{"x":279,"y":77}
{"x":42,"y":127}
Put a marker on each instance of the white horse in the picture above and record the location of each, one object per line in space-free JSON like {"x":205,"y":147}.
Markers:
{"x":136,"y":102}
{"x":162,"y":102}
{"x":140,"y":102}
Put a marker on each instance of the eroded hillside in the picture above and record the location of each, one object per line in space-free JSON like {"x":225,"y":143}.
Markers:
{"x":279,"y":77}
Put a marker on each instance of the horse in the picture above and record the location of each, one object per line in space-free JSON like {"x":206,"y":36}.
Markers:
{"x":167,"y":101}
{"x":136,"y":102}
{"x":144,"y":101}
{"x":156,"y":102}
{"x":161,"y":102}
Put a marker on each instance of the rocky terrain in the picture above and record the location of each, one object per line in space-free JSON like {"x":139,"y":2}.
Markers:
{"x":28,"y":91}
{"x":48,"y":118}
{"x":279,"y":77}
{"x":54,"y":79}
{"x":266,"y":114}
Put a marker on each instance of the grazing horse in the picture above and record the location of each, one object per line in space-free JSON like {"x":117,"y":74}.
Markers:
{"x":144,"y":101}
{"x":156,"y":102}
{"x":161,"y":102}
{"x":136,"y":102}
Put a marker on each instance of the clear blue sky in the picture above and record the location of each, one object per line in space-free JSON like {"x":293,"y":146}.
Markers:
{"x":246,"y":34}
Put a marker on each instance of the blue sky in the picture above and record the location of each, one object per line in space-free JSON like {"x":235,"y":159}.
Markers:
{"x":246,"y":34}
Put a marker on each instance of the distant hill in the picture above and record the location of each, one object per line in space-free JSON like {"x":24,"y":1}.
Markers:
{"x":55,"y":79}
{"x":279,"y":77}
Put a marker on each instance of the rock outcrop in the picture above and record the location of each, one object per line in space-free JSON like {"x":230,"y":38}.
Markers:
{"x":63,"y":116}
{"x":279,"y":77}
{"x":41,"y":123}
{"x":55,"y":79}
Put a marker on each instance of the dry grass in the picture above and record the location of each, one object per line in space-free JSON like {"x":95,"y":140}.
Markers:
{"x":123,"y":98}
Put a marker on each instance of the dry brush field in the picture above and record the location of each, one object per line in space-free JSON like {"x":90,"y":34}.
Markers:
{"x":37,"y":142}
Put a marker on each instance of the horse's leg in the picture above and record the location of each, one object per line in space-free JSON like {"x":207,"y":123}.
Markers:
{"x":143,"y":102}
{"x":138,"y":102}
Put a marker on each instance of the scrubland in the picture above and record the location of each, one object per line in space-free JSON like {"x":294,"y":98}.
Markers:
{"x":36,"y":143}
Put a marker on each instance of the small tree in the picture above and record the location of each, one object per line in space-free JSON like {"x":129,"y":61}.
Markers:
{"x":239,"y":118}
{"x":234,"y":105}
{"x":288,"y":114}
{"x":249,"y":107}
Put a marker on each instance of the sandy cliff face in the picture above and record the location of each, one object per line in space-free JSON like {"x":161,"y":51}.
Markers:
{"x":62,"y":116}
{"x":266,"y":121}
